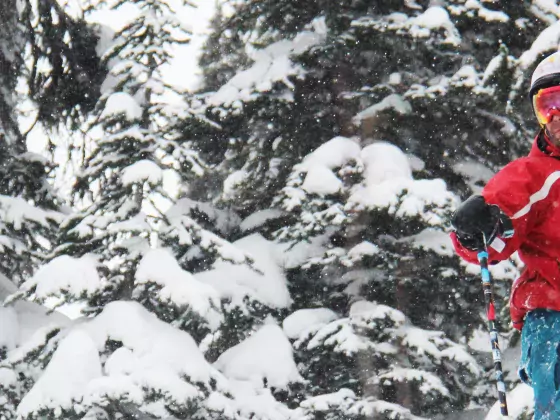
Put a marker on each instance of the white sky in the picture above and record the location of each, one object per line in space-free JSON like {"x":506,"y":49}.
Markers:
{"x":183,"y":72}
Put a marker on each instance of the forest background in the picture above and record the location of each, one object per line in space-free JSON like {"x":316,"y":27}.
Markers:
{"x":248,"y":219}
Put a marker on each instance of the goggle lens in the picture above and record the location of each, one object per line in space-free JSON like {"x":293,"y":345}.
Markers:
{"x":546,"y":103}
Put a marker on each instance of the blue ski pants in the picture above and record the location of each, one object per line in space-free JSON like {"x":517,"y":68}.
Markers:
{"x":540,"y":361}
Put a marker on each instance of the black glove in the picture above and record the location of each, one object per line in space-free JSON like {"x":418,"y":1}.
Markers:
{"x":475,"y":220}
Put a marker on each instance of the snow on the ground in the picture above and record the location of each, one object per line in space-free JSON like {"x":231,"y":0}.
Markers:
{"x":177,"y":286}
{"x":266,"y":355}
{"x":238,"y":281}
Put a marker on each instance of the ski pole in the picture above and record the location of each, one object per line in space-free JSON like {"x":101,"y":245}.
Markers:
{"x":491,"y":316}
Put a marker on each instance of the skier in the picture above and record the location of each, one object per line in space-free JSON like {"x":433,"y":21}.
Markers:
{"x":519,"y":210}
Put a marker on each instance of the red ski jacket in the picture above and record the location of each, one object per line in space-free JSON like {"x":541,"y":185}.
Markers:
{"x":528,"y":191}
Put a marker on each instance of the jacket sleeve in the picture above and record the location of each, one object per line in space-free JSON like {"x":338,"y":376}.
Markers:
{"x":513,"y":190}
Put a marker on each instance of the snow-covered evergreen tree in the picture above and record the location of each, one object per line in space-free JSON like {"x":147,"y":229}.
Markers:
{"x":384,"y":245}
{"x":223,"y":54}
{"x":47,"y":58}
{"x":122,"y":175}
{"x":299,"y":265}
{"x":153,"y":282}
{"x":442,"y":82}
{"x":64,"y":71}
{"x":48,"y":61}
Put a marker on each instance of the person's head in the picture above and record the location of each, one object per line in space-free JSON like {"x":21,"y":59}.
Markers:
{"x":545,"y":96}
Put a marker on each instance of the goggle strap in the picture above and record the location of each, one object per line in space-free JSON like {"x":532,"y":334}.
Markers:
{"x":544,"y":82}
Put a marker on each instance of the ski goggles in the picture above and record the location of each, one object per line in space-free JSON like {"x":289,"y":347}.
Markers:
{"x":546,"y":104}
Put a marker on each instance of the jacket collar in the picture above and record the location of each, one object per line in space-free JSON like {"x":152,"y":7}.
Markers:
{"x":542,"y":145}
